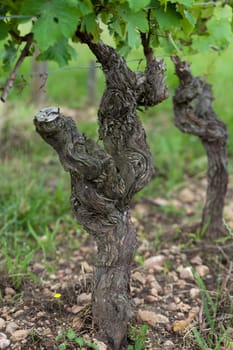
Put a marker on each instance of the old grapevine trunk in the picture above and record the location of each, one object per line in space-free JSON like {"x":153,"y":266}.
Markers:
{"x":194,"y":115}
{"x":103,"y":181}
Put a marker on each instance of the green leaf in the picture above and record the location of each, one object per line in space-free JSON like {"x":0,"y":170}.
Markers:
{"x":79,"y":341}
{"x":89,"y":22}
{"x":85,"y":7}
{"x":130,"y":347}
{"x":61,"y":52}
{"x":199,"y":339}
{"x":223,"y":12}
{"x":71,"y":334}
{"x":62,"y":346}
{"x":201,"y":43}
{"x":135,"y":22}
{"x":219,"y":26}
{"x":187,"y":3}
{"x":57,"y":19}
{"x":190,"y":18}
{"x":169,"y":18}
{"x":3,"y":30}
{"x":137,"y":5}
{"x":9,"y":55}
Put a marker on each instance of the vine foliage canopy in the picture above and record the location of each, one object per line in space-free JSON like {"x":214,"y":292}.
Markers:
{"x":182,"y":26}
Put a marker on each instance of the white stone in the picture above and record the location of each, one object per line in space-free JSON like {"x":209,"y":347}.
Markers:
{"x":194,"y":292}
{"x":2,"y":323}
{"x":11,"y":327}
{"x":154,"y":261}
{"x":4,"y":342}
{"x":168,"y":345}
{"x":185,"y":272}
{"x":20,"y":334}
{"x":202,"y":270}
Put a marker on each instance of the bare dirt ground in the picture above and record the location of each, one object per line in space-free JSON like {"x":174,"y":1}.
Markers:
{"x":166,"y":294}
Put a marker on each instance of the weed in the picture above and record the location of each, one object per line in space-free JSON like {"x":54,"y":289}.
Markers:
{"x":197,"y":237}
{"x":69,"y":337}
{"x":18,"y":266}
{"x":138,"y":336}
{"x":214,"y":335}
{"x":47,"y":242}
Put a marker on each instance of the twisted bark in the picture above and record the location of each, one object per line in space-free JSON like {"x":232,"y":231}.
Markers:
{"x":103,"y":181}
{"x":194,"y":115}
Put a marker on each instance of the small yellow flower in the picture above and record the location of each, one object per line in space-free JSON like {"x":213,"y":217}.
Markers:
{"x":57,"y":296}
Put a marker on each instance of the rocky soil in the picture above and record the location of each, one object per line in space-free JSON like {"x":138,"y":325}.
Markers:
{"x":167,"y":295}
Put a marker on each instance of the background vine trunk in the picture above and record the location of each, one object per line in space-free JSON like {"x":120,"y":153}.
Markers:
{"x":194,"y":115}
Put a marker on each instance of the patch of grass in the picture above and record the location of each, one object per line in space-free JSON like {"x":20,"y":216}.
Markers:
{"x":35,"y":212}
{"x":214,"y":332}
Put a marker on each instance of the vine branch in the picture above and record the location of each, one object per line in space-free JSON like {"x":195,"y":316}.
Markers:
{"x":12,"y":76}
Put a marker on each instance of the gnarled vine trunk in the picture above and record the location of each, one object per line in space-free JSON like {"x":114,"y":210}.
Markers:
{"x":103,"y":181}
{"x":194,"y":115}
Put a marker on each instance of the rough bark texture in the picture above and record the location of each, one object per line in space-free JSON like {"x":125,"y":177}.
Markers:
{"x":194,"y":115}
{"x":103,"y":181}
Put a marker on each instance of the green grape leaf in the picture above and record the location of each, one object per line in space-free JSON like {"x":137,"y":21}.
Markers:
{"x":135,"y":23}
{"x":190,"y":18}
{"x":61,"y":52}
{"x":169,"y":18}
{"x":186,"y":3}
{"x":85,"y":6}
{"x":3,"y":30}
{"x":219,"y":26}
{"x":117,"y":27}
{"x":9,"y":55}
{"x":89,"y":23}
{"x":137,"y":5}
{"x":57,"y":18}
{"x":201,"y":43}
{"x":223,"y":12}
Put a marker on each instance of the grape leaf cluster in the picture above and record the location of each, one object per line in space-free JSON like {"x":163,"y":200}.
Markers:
{"x":186,"y":26}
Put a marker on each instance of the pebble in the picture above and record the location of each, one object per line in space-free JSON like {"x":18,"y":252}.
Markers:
{"x":168,"y":345}
{"x":18,"y":313}
{"x":194,"y":292}
{"x":197,"y":260}
{"x":138,"y":301}
{"x":151,"y":317}
{"x":76,"y":309}
{"x":154,"y":292}
{"x":161,"y":319}
{"x":9,"y":291}
{"x":139,"y":277}
{"x":20,"y":334}
{"x":172,"y":307}
{"x":187,"y":195}
{"x":185,"y":272}
{"x":202,"y":270}
{"x":2,"y":323}
{"x":156,"y":285}
{"x":11,"y":327}
{"x":150,"y":299}
{"x":84,"y":298}
{"x":154,"y":262}
{"x":101,"y":345}
{"x":147,"y":316}
{"x":4,"y":342}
